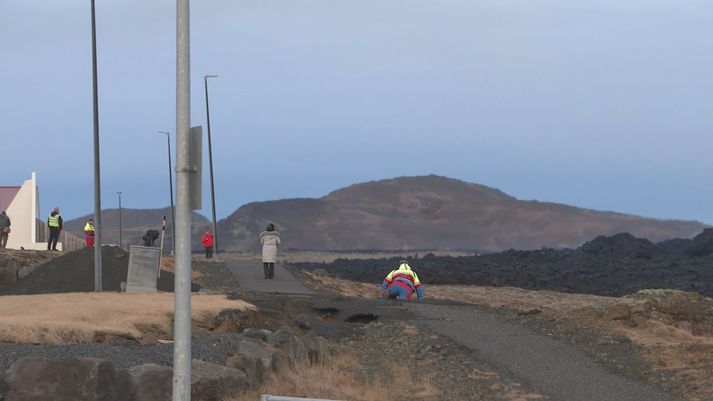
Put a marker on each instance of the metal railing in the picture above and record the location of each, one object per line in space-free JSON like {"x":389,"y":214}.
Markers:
{"x":267,"y":397}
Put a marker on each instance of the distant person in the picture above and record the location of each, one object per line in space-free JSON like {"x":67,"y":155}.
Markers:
{"x":402,"y":283}
{"x":4,"y":229}
{"x":207,"y":241}
{"x":269,"y":239}
{"x":89,"y":233}
{"x":54,"y":222}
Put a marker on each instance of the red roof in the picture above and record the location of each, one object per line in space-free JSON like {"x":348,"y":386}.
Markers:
{"x":7,"y":194}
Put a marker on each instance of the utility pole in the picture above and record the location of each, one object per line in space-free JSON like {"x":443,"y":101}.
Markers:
{"x":121,"y":228}
{"x":97,"y":179}
{"x":170,"y":192}
{"x":182,"y":300}
{"x":210,"y":161}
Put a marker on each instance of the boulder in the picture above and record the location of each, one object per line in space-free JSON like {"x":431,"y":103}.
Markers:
{"x":151,"y":382}
{"x":259,"y":334}
{"x":292,"y":350}
{"x":211,"y":382}
{"x":3,"y":386}
{"x":316,"y":347}
{"x":253,"y":359}
{"x":68,"y":379}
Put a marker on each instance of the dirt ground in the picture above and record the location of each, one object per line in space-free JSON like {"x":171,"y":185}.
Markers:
{"x":661,"y":336}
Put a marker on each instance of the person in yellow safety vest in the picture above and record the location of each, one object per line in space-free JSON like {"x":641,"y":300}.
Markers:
{"x":54,"y":222}
{"x":89,"y":233}
{"x":402,"y":283}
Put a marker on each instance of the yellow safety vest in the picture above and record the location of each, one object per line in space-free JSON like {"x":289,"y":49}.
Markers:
{"x":53,"y":221}
{"x":88,"y":227}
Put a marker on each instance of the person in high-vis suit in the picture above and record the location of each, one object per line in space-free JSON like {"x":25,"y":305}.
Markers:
{"x":54,"y":222}
{"x":402,"y":283}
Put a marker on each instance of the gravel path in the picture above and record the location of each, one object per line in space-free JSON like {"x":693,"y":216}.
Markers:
{"x":250,"y":277}
{"x":550,"y":367}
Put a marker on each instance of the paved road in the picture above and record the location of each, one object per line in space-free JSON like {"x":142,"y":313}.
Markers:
{"x":554,"y":369}
{"x":250,"y":277}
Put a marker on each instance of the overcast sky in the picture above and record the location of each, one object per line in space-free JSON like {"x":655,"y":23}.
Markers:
{"x":604,"y":104}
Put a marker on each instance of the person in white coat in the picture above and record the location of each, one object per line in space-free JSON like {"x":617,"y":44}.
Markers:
{"x":269,"y":239}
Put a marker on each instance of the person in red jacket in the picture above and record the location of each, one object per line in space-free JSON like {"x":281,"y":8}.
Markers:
{"x":207,"y":240}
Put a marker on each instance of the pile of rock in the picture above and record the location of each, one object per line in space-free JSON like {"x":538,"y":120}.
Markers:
{"x":257,"y":353}
{"x":17,"y":264}
{"x":616,"y":265}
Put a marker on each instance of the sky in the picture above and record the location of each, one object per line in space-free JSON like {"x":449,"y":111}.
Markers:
{"x":603,"y":104}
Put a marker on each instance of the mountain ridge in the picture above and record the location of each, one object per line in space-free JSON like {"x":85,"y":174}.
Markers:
{"x":433,"y":212}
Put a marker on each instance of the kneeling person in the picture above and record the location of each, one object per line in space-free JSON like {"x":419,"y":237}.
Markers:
{"x":402,"y":283}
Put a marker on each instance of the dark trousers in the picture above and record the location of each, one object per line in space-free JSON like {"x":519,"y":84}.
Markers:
{"x":209,"y":252}
{"x":54,"y":237}
{"x":269,"y":269}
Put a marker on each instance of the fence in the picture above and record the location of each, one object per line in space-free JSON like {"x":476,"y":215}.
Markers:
{"x":70,"y":242}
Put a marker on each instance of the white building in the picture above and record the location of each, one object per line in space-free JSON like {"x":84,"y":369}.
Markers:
{"x":21,"y":203}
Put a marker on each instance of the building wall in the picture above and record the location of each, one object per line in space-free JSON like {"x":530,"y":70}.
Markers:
{"x":23,"y":213}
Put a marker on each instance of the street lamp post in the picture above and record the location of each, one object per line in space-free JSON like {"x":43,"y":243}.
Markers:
{"x":210,"y":162}
{"x":170,"y":187}
{"x":97,"y":177}
{"x":121,"y":228}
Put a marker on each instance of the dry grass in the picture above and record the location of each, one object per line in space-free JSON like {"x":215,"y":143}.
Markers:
{"x":84,"y":317}
{"x":672,"y":351}
{"x":495,"y":297}
{"x":337,"y":380}
{"x":328,"y":257}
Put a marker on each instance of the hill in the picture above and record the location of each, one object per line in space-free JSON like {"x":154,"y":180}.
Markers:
{"x":433,"y":212}
{"x":135,"y":222}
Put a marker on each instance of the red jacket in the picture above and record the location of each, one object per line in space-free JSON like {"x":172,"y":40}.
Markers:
{"x":207,"y":239}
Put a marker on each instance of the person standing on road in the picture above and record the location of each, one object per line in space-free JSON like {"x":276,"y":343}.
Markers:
{"x":4,"y":229}
{"x":54,"y":222}
{"x":207,"y":241}
{"x":89,"y":233}
{"x":401,"y":283}
{"x":269,"y":239}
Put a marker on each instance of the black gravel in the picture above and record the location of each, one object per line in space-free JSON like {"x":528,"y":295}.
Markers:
{"x":613,"y":266}
{"x":74,"y":272}
{"x":215,"y":348}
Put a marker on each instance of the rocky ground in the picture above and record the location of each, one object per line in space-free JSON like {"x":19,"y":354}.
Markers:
{"x":662,"y":337}
{"x":611,"y":266}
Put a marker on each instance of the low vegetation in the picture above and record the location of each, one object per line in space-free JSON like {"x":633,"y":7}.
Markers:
{"x":338,"y":380}
{"x":672,"y":330}
{"x":90,"y":317}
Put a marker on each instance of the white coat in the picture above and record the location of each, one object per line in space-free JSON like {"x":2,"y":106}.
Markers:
{"x":269,"y":240}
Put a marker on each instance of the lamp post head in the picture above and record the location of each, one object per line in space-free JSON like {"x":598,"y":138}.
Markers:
{"x":209,"y":76}
{"x":164,"y":132}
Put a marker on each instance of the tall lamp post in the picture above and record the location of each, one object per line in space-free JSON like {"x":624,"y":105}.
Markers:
{"x":97,"y":179}
{"x":121,"y":244}
{"x":170,"y":186}
{"x":210,"y":162}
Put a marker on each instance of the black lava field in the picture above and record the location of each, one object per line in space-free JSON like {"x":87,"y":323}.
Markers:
{"x":612,"y":266}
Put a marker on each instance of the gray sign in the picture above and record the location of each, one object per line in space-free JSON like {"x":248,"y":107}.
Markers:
{"x":196,"y":165}
{"x":143,"y":269}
